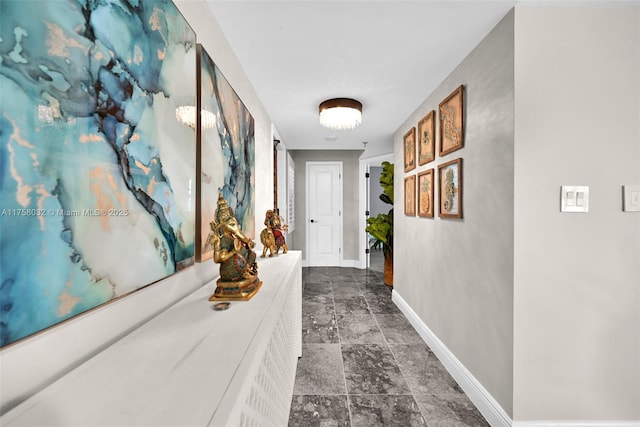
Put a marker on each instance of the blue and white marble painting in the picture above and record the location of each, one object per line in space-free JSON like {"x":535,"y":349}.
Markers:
{"x":227,"y":160}
{"x":97,"y":177}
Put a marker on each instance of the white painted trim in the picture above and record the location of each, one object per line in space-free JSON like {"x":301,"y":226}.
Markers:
{"x":362,"y":220}
{"x":363,"y":167}
{"x":484,"y":401}
{"x":353,"y":263}
{"x":576,"y":423}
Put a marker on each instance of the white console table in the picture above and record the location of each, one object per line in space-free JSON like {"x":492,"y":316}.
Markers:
{"x":190,"y":365}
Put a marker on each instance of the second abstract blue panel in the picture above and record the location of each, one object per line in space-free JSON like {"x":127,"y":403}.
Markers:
{"x":227,"y":153}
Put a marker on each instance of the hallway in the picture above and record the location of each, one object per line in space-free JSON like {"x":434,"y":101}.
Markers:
{"x":363,"y":364}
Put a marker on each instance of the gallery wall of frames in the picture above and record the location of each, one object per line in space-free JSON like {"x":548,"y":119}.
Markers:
{"x":108,"y":176}
{"x":420,"y":187}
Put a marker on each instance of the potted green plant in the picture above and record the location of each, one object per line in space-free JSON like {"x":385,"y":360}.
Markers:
{"x":380,"y":227}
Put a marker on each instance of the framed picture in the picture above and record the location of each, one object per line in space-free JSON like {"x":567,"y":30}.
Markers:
{"x":450,"y":189}
{"x":427,"y":138}
{"x":410,"y":150}
{"x":410,"y":195}
{"x":97,"y":172}
{"x":425,"y":193}
{"x":226,"y":154}
{"x":452,"y":122}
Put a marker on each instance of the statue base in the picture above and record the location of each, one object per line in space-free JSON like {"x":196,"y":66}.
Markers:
{"x":242,"y":290}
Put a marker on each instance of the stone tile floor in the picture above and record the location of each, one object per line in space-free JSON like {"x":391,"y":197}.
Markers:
{"x":363,"y":364}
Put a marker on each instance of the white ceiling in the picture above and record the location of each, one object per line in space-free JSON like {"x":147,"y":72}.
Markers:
{"x":389,"y":55}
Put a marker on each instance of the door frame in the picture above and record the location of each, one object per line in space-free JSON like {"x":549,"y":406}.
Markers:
{"x":365,"y":187}
{"x":339,"y":163}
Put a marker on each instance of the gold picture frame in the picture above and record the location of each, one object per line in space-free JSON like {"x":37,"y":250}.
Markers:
{"x":450,"y":189}
{"x":425,"y":193}
{"x":427,"y":138}
{"x":410,"y":150}
{"x":451,"y":129}
{"x":410,"y":195}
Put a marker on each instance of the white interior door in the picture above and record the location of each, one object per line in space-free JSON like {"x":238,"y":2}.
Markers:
{"x":324,"y":213}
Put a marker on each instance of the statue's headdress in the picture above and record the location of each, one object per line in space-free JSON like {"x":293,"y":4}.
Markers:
{"x":223,"y":212}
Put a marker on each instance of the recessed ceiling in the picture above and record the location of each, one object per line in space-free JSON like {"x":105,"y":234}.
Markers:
{"x":389,"y":55}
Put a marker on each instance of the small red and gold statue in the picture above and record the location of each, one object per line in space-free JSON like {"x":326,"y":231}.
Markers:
{"x":272,"y":237}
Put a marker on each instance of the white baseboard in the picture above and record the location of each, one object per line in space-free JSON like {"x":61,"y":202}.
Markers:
{"x":486,"y":404}
{"x":576,"y":423}
{"x":354,"y":263}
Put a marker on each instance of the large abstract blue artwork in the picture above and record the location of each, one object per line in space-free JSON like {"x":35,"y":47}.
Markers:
{"x":227,"y":153}
{"x":97,"y":176}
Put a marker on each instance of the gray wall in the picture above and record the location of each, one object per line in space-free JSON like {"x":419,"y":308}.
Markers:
{"x":350,"y":198}
{"x":542,"y":307}
{"x":577,"y":276}
{"x":457,"y":274}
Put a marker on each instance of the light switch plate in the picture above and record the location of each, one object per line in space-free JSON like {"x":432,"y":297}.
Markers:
{"x":631,"y":198}
{"x":574,"y":198}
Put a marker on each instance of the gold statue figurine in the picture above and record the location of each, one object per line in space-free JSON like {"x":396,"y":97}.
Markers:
{"x":271,"y":237}
{"x":233,"y":250}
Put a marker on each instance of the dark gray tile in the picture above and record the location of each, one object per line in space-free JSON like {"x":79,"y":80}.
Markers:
{"x":322,"y":304}
{"x":346,"y":279}
{"x":350,"y":304}
{"x":372,"y":281}
{"x":316,"y":289}
{"x":365,"y":273}
{"x":385,"y":410}
{"x":319,"y":328}
{"x":337,"y":273}
{"x":382,"y":304}
{"x":320,"y":370}
{"x":338,"y":285}
{"x":316,"y":410}
{"x":449,"y":410}
{"x":380,"y":376}
{"x":371,"y":369}
{"x":316,"y":281}
{"x":422,"y":370}
{"x":367,"y":283}
{"x":359,"y":329}
{"x":346,"y":291}
{"x":397,"y":329}
{"x":381,"y":291}
{"x":315,"y":274}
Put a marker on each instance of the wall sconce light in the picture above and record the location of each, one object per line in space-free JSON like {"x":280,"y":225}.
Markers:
{"x":186,"y":114}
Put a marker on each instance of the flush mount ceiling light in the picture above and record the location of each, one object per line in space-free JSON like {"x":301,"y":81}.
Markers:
{"x":186,"y":114}
{"x":340,"y":113}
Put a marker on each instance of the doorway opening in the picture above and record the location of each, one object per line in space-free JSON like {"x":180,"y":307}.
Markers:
{"x":370,"y":191}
